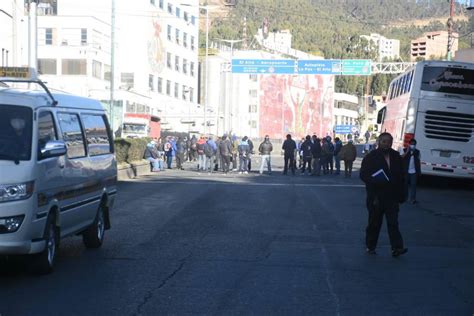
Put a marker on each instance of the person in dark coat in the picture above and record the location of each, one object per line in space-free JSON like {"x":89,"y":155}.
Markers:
{"x":225,"y":151}
{"x":180,"y":153}
{"x":412,"y":169}
{"x":384,"y":193}
{"x":316,"y":152}
{"x":289,"y":148}
{"x":306,"y":149}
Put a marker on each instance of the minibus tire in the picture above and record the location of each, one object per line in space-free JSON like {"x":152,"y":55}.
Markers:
{"x":94,"y":235}
{"x":43,"y":262}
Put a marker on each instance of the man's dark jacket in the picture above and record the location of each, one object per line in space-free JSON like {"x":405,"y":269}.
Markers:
{"x":289,"y":147}
{"x":307,"y":148}
{"x":391,"y":191}
{"x":316,"y":150}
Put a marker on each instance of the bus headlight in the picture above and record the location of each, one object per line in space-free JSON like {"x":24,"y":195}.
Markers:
{"x":14,"y":192}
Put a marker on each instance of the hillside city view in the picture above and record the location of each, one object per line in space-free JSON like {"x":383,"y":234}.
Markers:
{"x":237,"y":157}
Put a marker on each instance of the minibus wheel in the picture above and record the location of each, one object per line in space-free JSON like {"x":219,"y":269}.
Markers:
{"x":43,"y":262}
{"x":94,"y":235}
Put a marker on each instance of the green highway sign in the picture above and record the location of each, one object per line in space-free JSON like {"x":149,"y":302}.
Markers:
{"x":356,"y":67}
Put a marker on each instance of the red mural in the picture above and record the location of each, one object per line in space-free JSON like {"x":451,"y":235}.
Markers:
{"x":296,"y":104}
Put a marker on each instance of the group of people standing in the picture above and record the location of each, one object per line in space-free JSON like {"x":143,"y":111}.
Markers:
{"x":318,"y":154}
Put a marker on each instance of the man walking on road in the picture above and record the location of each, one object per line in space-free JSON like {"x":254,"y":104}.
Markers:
{"x":348,"y":154}
{"x":244,"y":152}
{"x":265,"y":150}
{"x":382,"y":172}
{"x":289,"y":148}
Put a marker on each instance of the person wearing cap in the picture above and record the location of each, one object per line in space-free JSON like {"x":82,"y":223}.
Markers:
{"x":265,"y":149}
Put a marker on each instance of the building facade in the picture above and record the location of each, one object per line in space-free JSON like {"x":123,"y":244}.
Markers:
{"x":387,"y":48}
{"x":155,"y":61}
{"x":433,"y":45}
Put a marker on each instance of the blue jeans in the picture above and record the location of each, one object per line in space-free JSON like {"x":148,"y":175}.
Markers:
{"x":169,"y":160}
{"x":155,"y":162}
{"x":201,"y":162}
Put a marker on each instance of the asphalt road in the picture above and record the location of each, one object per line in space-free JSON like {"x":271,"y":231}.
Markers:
{"x":189,"y":243}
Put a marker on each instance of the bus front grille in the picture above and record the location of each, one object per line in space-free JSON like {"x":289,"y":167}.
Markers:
{"x":449,"y":126}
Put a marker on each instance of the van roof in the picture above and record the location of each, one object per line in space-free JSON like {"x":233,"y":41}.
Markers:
{"x":38,"y":98}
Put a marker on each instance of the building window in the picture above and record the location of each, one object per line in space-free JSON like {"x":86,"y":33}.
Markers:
{"x":191,"y":69}
{"x":185,"y":91}
{"x":185,"y":39}
{"x":48,"y":36}
{"x":253,"y":93}
{"x":151,"y":84}
{"x":176,"y":63}
{"x":192,"y":43}
{"x":170,"y":8}
{"x":168,"y":60}
{"x":168,"y":87}
{"x":253,"y":124}
{"x":160,"y":85}
{"x":127,"y":79}
{"x":169,"y":32}
{"x":161,"y":4}
{"x":252,"y":108}
{"x":83,"y":36}
{"x":74,"y":67}
{"x":176,"y":90}
{"x":193,"y":20}
{"x":191,"y":94}
{"x":185,"y":66}
{"x":152,"y":2}
{"x":177,"y":36}
{"x":186,"y":16}
{"x":178,"y":12}
{"x":47,"y":66}
{"x":106,"y":72}
{"x":96,"y":69}
{"x":253,"y":77}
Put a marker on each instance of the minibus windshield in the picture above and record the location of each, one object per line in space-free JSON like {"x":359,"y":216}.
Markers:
{"x":15,"y":132}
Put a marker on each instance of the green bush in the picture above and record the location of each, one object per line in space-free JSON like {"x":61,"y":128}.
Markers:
{"x":130,"y":149}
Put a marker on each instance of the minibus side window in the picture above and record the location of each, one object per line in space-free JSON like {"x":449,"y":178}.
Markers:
{"x":46,"y":129}
{"x":97,"y":137}
{"x":72,"y":134}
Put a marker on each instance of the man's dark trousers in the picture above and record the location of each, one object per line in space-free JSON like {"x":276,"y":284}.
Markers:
{"x":291,"y":160}
{"x":377,"y":209}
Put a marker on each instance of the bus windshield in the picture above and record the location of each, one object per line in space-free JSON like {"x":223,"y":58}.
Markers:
{"x":448,"y":80}
{"x":15,"y":132}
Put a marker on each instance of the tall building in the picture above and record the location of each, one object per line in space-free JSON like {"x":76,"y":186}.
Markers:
{"x":433,"y":45}
{"x":155,"y":62}
{"x":387,"y":48}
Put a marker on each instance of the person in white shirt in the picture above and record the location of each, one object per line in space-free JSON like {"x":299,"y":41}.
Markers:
{"x":412,"y":167}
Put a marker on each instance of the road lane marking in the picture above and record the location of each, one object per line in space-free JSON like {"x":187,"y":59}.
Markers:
{"x":256,"y":184}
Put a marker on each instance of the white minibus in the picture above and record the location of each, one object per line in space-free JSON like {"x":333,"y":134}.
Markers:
{"x":57,"y":169}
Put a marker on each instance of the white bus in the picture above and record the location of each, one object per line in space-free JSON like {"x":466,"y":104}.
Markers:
{"x":433,"y":102}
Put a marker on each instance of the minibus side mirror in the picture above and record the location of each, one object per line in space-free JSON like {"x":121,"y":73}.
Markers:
{"x":381,"y":115}
{"x":53,"y":148}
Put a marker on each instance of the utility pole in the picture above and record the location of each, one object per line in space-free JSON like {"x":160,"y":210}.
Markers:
{"x":112,"y":65}
{"x":32,"y":36}
{"x":450,"y":29}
